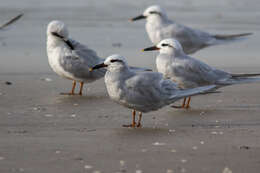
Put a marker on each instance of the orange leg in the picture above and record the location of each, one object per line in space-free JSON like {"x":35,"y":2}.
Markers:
{"x":188,"y":103}
{"x":72,"y":90}
{"x":182,"y":106}
{"x":183,"y":103}
{"x":139,"y":120}
{"x":81,"y":88}
{"x":133,"y":120}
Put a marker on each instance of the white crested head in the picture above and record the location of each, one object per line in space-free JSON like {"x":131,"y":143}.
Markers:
{"x":113,"y":63}
{"x":154,"y":10}
{"x":169,"y":45}
{"x":57,"y":27}
{"x":115,"y":60}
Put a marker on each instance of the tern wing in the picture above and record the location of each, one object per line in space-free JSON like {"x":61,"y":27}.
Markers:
{"x":146,"y":89}
{"x":194,"y":91}
{"x":80,"y":60}
{"x":193,"y":70}
{"x":191,"y":39}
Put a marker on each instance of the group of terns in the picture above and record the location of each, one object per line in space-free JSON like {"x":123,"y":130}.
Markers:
{"x":179,"y":76}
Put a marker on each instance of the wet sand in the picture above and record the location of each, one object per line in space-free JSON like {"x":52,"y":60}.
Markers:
{"x":42,"y":131}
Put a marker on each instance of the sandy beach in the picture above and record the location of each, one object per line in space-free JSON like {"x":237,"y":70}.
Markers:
{"x":42,"y":131}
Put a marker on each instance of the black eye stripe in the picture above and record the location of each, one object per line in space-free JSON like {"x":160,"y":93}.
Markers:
{"x":116,"y":60}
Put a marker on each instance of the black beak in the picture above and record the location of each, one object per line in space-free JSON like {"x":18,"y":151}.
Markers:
{"x":65,"y":40}
{"x":98,"y":66}
{"x":138,"y":18}
{"x":151,"y":48}
{"x":57,"y":35}
{"x":69,"y":44}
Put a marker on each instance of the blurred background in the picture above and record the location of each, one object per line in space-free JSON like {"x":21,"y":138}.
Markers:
{"x":104,"y":27}
{"x":42,"y":131}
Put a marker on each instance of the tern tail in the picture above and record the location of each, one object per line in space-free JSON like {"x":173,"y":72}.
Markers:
{"x":232,"y":36}
{"x":221,"y":39}
{"x":245,"y":75}
{"x":241,"y":78}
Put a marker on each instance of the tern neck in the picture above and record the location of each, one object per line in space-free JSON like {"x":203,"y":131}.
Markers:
{"x":173,"y":52}
{"x":53,"y":41}
{"x":117,"y":75}
{"x":118,"y":68}
{"x":157,"y":19}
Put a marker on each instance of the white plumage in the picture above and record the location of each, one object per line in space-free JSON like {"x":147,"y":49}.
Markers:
{"x":159,"y":27}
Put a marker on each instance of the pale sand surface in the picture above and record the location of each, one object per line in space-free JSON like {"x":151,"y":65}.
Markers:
{"x":41,"y":131}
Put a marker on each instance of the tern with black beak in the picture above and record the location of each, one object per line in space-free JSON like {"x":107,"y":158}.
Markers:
{"x":69,"y":58}
{"x":159,"y":27}
{"x":142,"y":92}
{"x":189,"y":72}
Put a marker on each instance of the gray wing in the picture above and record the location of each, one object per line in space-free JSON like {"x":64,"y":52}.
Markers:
{"x":80,"y":60}
{"x":197,"y":72}
{"x":191,"y":39}
{"x":149,"y":90}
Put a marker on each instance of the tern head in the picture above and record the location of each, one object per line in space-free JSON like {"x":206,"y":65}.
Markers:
{"x":112,"y":62}
{"x":152,"y":11}
{"x":167,"y":46}
{"x":58,"y":29}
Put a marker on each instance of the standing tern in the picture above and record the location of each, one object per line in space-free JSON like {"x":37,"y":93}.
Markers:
{"x":189,"y":72}
{"x":71,"y":59}
{"x":142,"y":92}
{"x":159,"y":27}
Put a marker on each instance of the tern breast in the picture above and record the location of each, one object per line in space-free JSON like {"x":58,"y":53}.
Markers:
{"x":55,"y":54}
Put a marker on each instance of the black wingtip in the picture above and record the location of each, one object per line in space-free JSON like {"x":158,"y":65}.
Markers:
{"x":245,"y":75}
{"x":232,"y":36}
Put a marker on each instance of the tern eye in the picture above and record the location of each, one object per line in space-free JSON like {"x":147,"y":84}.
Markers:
{"x":115,"y":60}
{"x":155,"y":12}
{"x":164,"y":45}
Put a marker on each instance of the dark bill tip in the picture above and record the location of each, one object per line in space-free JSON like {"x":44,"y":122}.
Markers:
{"x":68,"y":42}
{"x":98,"y":66}
{"x":150,"y":48}
{"x":138,"y":18}
{"x":57,"y":35}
